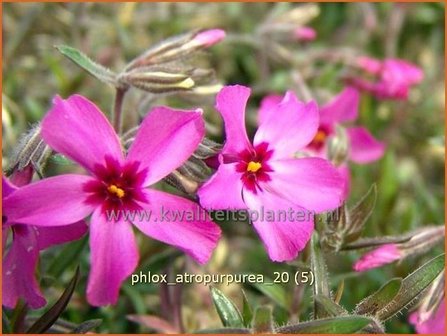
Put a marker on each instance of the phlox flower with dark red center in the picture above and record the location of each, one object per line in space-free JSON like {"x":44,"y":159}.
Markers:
{"x":393,"y":77}
{"x":264,"y":176}
{"x":166,"y":138}
{"x":22,"y":253}
{"x":343,"y":108}
{"x":380,"y":256}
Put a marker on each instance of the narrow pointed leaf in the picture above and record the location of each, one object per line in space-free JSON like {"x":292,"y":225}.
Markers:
{"x":412,"y":286}
{"x":224,"y":331}
{"x":361,"y":212}
{"x":263,"y":321}
{"x":247,"y":314}
{"x":275,"y":292}
{"x":378,"y":300}
{"x":69,"y":254}
{"x":95,"y":69}
{"x":376,"y":241}
{"x":333,"y":325}
{"x":47,"y":320}
{"x":329,"y":308}
{"x":227,"y":310}
{"x":87,"y":326}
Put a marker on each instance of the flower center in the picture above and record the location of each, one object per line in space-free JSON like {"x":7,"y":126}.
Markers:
{"x":114,"y":190}
{"x":253,"y":166}
{"x":320,"y":138}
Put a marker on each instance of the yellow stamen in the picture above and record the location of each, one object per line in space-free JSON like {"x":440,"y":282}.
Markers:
{"x":253,"y":167}
{"x":113,"y":189}
{"x":319,"y":137}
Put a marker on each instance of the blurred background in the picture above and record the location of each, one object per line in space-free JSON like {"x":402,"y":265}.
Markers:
{"x":410,"y":177}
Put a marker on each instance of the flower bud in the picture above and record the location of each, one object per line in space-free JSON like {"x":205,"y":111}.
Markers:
{"x":305,"y":34}
{"x":338,"y":146}
{"x":209,"y":37}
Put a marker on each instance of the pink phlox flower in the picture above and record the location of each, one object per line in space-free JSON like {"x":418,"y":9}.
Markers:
{"x":22,"y":253}
{"x":264,"y":176}
{"x":115,"y":193}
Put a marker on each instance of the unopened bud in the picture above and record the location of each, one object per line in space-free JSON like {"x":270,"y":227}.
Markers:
{"x":305,"y":34}
{"x":338,"y":146}
{"x":30,"y":151}
{"x":207,"y":38}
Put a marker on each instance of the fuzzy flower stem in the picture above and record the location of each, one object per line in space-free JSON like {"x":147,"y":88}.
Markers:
{"x":117,"y":109}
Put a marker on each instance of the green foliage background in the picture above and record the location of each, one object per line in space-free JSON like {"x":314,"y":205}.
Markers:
{"x":410,"y":177}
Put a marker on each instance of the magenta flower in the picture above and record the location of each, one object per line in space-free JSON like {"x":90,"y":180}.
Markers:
{"x":434,"y":324}
{"x":363,"y":147}
{"x":394,"y":77}
{"x":380,"y":256}
{"x":21,"y":258}
{"x":265,"y":176}
{"x":76,"y":128}
{"x":305,"y":34}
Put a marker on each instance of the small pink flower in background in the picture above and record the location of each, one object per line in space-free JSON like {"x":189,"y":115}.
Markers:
{"x":76,"y":128}
{"x":306,"y":34}
{"x":435,"y":324}
{"x":210,"y":37}
{"x":380,"y":256}
{"x":21,"y":258}
{"x":266,"y":176}
{"x":363,"y":147}
{"x":394,"y":77}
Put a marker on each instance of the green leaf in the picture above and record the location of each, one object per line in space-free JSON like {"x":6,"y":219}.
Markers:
{"x":274,"y":291}
{"x":332,"y":325}
{"x":412,"y":286}
{"x":360,"y":213}
{"x":328,"y":307}
{"x":95,"y":69}
{"x":263,"y":321}
{"x":47,"y":320}
{"x":227,"y":310}
{"x":86,"y":326}
{"x":66,"y":257}
{"x":378,"y":300}
{"x":247,"y":314}
{"x":223,"y":331}
{"x":376,"y":241}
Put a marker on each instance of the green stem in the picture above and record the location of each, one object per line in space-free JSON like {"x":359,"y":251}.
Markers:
{"x":117,"y":109}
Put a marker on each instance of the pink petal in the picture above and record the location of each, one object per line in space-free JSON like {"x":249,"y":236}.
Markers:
{"x":291,"y":126}
{"x":19,"y":266}
{"x":114,"y":256}
{"x":165,"y":140}
{"x":179,"y":222}
{"x":398,"y":70}
{"x":369,"y":64}
{"x":346,"y":175}
{"x":225,"y":181}
{"x":54,"y":201}
{"x":231,"y":102}
{"x":210,"y":37}
{"x":305,"y":34}
{"x":364,"y":148}
{"x":343,"y":107}
{"x":268,"y":104}
{"x":75,"y":127}
{"x":312,"y":183}
{"x":434,"y":325}
{"x":7,"y":187}
{"x":382,"y":255}
{"x":283,"y":236}
{"x":49,"y":236}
